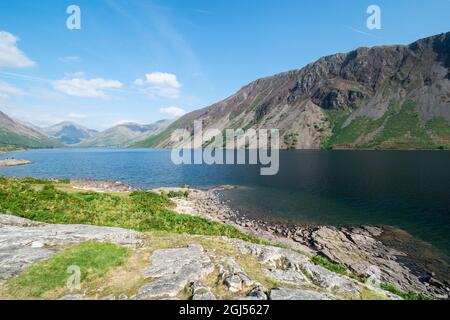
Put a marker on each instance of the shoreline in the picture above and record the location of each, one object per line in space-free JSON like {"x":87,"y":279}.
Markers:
{"x":13,"y":162}
{"x":367,"y":252}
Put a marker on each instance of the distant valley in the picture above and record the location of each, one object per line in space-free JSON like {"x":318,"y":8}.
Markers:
{"x":14,"y":133}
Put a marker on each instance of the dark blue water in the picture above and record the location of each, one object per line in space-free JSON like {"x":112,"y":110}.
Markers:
{"x":406,"y":189}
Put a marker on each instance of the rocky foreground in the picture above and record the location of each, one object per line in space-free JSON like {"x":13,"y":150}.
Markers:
{"x":358,"y":248}
{"x":181,"y":267}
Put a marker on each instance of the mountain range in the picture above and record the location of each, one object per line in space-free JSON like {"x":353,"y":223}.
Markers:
{"x":14,"y":133}
{"x":123,"y":135}
{"x":385,"y":97}
{"x":69,"y":133}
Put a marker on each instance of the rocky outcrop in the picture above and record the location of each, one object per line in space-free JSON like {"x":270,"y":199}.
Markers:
{"x":299,"y":294}
{"x":172,"y":270}
{"x":24,"y":242}
{"x":226,"y":268}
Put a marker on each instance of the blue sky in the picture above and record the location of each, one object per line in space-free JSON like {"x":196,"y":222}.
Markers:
{"x":148,"y":60}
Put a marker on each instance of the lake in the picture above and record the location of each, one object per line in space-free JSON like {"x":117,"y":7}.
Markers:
{"x":406,"y":189}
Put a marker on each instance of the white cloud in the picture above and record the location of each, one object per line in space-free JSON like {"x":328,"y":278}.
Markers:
{"x":75,"y":115}
{"x":10,"y":55}
{"x":89,"y":88}
{"x":123,"y":121}
{"x":173,"y":111}
{"x":70,"y":59}
{"x":7,"y":90}
{"x":160,"y":84}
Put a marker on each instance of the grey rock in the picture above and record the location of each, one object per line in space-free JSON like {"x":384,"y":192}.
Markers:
{"x":233,"y":276}
{"x":73,"y":297}
{"x":289,"y":276}
{"x":24,"y":242}
{"x":257,"y":293}
{"x":173,"y":270}
{"x":298,"y":294}
{"x":332,"y":281}
{"x":37,"y":244}
{"x":201,"y":292}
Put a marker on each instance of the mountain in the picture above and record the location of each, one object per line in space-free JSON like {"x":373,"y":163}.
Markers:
{"x":69,"y":133}
{"x":122,"y":135}
{"x":387,"y":97}
{"x":16,"y":134}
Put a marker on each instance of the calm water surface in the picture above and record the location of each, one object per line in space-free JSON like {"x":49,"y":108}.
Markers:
{"x":405,"y":189}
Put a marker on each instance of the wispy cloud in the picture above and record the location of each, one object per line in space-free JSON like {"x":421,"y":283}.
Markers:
{"x":160,"y":84}
{"x":363,"y":32}
{"x":70,"y":59}
{"x":7,"y":90}
{"x":202,"y":11}
{"x":87,"y":88}
{"x":173,"y":111}
{"x":75,"y":115}
{"x":10,"y":55}
{"x":124,"y":121}
{"x":19,"y":76}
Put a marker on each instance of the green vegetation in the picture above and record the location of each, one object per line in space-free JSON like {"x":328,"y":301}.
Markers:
{"x":141,"y":211}
{"x":9,"y":148}
{"x":398,"y":128}
{"x":403,"y":129}
{"x":327,"y":264}
{"x":291,"y":140}
{"x":178,"y":194}
{"x":155,"y":139}
{"x":94,"y":260}
{"x":17,"y":141}
{"x":402,"y":294}
{"x":439,"y":128}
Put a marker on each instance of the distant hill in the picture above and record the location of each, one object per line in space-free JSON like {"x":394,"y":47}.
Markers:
{"x":69,"y":133}
{"x":16,"y":134}
{"x":385,"y":97}
{"x":123,"y":135}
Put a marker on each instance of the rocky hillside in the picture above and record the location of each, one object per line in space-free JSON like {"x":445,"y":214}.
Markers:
{"x":16,"y":134}
{"x":122,"y":135}
{"x":381,"y":97}
{"x":69,"y":132}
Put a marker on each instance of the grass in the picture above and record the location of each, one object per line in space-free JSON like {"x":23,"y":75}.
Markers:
{"x":440,"y":129}
{"x":178,"y":194}
{"x":93,"y":258}
{"x":44,"y":201}
{"x":398,"y":128}
{"x":156,"y":139}
{"x":405,"y":295}
{"x":327,"y":264}
{"x":403,"y":129}
{"x":11,"y":139}
{"x":8,"y":148}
